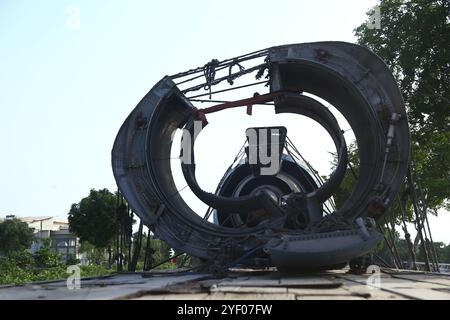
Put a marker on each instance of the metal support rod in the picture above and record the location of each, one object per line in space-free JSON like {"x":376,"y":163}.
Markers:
{"x":391,"y":230}
{"x":396,"y":256}
{"x":419,"y":225}
{"x":412,"y":254}
{"x":228,"y":89}
{"x":386,"y":241}
{"x":164,"y":261}
{"x":425,"y":213}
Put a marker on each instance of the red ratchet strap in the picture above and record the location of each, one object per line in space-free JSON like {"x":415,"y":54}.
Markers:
{"x":249,"y":102}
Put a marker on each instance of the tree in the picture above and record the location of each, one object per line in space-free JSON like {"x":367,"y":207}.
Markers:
{"x":94,"y":255}
{"x":93,"y":219}
{"x":15,"y":235}
{"x":414,"y":43}
{"x":45,"y":257}
{"x":137,"y":242}
{"x":151,"y":251}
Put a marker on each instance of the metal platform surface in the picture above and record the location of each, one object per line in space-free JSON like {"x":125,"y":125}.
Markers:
{"x":244,"y":284}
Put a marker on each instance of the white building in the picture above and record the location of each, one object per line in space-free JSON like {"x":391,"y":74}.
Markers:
{"x":57,"y":230}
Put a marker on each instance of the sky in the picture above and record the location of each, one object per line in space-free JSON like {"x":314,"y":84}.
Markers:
{"x":71,"y":71}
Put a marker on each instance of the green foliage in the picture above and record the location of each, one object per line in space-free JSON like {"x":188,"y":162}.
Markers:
{"x":22,"y":259}
{"x":11,"y":273}
{"x":414,"y":43}
{"x":15,"y":235}
{"x":442,"y":250}
{"x":98,"y":223}
{"x":47,"y":258}
{"x":94,"y":270}
{"x":71,"y":260}
{"x":93,"y":219}
{"x":161,"y":250}
{"x":22,"y":267}
{"x":95,"y":255}
{"x":167,"y":266}
{"x":432,"y":158}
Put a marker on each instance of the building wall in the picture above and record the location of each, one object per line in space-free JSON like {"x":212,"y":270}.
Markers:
{"x":46,"y":225}
{"x":57,"y":230}
{"x":65,"y":243}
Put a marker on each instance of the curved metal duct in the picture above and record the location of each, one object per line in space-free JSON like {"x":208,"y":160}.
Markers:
{"x":349,"y":77}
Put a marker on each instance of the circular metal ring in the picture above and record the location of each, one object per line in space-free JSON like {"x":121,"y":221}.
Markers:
{"x":348,"y":76}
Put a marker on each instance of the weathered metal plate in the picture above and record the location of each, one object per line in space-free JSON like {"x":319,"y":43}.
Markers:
{"x":336,"y":285}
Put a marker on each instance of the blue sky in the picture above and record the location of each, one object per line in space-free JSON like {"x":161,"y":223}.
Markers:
{"x":65,"y":92}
